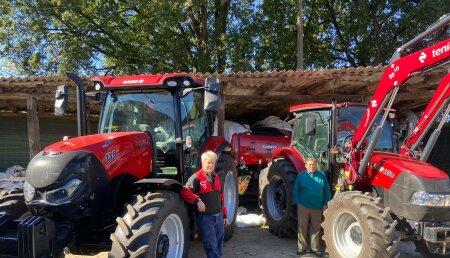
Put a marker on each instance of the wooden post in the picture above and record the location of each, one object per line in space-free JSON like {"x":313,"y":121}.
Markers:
{"x":34,"y":138}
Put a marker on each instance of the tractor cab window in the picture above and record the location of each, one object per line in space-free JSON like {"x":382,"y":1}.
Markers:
{"x":348,"y":122}
{"x":151,"y":112}
{"x":314,"y":143}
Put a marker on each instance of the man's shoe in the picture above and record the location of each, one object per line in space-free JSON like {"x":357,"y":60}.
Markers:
{"x":319,"y":254}
{"x":301,"y":252}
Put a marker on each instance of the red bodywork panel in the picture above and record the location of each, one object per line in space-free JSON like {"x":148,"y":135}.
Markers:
{"x":439,"y":98}
{"x":292,"y":155}
{"x":122,"y":152}
{"x":214,"y":143}
{"x":384,"y":168}
{"x":396,"y":75}
{"x":142,"y":80}
{"x":255,"y":149}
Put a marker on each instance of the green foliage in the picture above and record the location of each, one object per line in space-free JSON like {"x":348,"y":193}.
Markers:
{"x":49,"y":37}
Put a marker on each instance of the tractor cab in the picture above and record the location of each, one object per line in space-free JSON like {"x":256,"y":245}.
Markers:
{"x":170,"y":110}
{"x":317,"y":131}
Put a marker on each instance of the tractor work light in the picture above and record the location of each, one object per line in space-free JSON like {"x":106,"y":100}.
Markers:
{"x":423,"y":198}
{"x":97,"y":86}
{"x":171,"y":83}
{"x":186,"y":83}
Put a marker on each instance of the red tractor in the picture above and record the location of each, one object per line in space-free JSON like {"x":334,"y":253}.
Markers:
{"x":380,"y":196}
{"x":123,"y":184}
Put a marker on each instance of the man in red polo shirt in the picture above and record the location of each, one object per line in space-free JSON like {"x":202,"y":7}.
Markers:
{"x":204,"y":191}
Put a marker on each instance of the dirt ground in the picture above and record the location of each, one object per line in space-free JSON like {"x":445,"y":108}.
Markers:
{"x":258,"y":242}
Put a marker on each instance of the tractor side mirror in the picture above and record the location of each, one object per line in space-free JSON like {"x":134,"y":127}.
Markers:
{"x":212,"y":95}
{"x":61,"y":99}
{"x":310,"y":126}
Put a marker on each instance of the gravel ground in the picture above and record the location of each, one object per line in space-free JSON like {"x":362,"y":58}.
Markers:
{"x":259,"y":242}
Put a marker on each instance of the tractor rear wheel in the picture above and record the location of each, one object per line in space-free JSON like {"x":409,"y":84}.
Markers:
{"x":226,"y":169}
{"x":154,"y":225}
{"x":357,"y":225}
{"x":277,"y":200}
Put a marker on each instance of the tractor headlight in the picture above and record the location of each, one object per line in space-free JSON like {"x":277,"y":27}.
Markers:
{"x":64,"y":193}
{"x":423,"y":198}
{"x":28,"y":191}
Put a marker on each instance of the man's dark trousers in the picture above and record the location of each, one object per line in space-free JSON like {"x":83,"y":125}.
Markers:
{"x":211,"y":231}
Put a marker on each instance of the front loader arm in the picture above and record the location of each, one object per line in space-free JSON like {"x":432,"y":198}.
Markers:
{"x":439,"y":100}
{"x":395,"y":76}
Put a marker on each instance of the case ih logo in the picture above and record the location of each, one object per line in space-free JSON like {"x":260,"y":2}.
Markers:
{"x":269,"y":147}
{"x":203,"y":184}
{"x":133,"y":81}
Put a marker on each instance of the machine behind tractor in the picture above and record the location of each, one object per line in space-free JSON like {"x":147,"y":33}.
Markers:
{"x":380,"y":196}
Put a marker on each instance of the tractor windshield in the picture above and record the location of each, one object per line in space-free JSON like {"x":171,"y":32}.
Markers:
{"x":151,"y":112}
{"x":348,"y":122}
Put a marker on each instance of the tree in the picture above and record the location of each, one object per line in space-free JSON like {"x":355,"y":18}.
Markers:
{"x":54,"y":36}
{"x":48,"y":37}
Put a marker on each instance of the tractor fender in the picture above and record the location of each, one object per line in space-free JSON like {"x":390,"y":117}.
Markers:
{"x":219,"y":145}
{"x":292,"y":155}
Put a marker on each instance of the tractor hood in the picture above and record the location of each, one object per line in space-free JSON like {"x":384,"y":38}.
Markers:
{"x":387,"y":166}
{"x":395,"y":163}
{"x":74,"y":157}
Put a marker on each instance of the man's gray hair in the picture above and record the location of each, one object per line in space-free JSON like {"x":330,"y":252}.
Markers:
{"x":209,"y":155}
{"x":308,"y":159}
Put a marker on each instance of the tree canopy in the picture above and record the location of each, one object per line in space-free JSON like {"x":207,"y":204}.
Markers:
{"x":50,"y":37}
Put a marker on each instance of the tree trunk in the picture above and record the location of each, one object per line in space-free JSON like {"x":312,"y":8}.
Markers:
{"x":221,"y":14}
{"x":299,"y":35}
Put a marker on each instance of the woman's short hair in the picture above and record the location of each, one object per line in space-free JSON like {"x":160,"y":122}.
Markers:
{"x":208,"y":155}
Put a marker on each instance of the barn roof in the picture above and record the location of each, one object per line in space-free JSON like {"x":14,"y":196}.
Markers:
{"x":253,"y":95}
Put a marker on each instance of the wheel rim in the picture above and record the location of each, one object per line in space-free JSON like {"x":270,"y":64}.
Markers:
{"x":171,"y":238}
{"x":347,"y":235}
{"x":276,"y":198}
{"x":230,"y":195}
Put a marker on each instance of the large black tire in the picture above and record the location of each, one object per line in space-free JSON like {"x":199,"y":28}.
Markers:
{"x":226,"y":169}
{"x":357,"y":225}
{"x":154,"y":225}
{"x":12,"y":203}
{"x":423,"y":248}
{"x":277,"y":200}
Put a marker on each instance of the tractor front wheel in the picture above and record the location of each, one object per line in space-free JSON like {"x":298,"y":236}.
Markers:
{"x":356,"y":225}
{"x":277,"y":200}
{"x":12,"y":202}
{"x":154,"y":225}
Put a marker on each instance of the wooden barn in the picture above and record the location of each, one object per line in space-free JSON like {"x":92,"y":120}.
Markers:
{"x":27,"y":123}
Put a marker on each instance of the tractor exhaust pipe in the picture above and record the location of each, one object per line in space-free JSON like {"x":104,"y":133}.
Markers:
{"x":81,"y":102}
